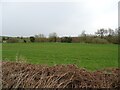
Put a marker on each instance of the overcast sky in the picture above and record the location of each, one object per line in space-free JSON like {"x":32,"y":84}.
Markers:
{"x":119,"y":14}
{"x":65,"y":17}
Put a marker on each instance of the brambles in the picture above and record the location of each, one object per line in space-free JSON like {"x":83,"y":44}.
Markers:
{"x":21,"y":75}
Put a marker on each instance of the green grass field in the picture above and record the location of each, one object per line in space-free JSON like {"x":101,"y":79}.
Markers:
{"x":89,"y":56}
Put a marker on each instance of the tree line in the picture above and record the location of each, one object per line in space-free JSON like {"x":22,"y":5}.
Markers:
{"x":101,"y":36}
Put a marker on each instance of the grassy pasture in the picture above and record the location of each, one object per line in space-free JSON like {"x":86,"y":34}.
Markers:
{"x":89,"y":56}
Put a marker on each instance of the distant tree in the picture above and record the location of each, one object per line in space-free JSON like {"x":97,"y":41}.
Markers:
{"x":83,"y":34}
{"x":101,"y":32}
{"x":75,"y":39}
{"x":110,"y":32}
{"x":117,"y":32}
{"x":18,"y":37}
{"x":3,"y":38}
{"x":21,"y":37}
{"x":32,"y":39}
{"x":53,"y":37}
{"x":66,"y":39}
{"x":12,"y":40}
{"x":40,"y":36}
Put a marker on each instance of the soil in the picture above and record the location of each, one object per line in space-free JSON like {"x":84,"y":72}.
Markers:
{"x":23,"y":75}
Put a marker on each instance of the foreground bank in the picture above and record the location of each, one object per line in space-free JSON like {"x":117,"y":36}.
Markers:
{"x":23,"y":75}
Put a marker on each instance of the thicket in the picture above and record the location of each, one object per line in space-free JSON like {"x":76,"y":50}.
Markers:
{"x":101,"y":36}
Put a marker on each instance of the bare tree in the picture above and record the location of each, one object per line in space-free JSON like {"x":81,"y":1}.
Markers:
{"x":40,"y":36}
{"x":53,"y":37}
{"x":83,"y":34}
{"x":110,"y":32}
{"x":117,"y":31}
{"x":101,"y":32}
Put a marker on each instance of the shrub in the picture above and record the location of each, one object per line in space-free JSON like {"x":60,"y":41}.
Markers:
{"x":12,"y":40}
{"x":99,"y":41}
{"x":32,"y":39}
{"x":66,"y":39}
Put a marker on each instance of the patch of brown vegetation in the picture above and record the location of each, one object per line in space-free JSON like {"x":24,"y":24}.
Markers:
{"x":21,"y":75}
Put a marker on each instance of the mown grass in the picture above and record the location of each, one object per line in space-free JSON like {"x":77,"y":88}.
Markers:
{"x":89,"y":56}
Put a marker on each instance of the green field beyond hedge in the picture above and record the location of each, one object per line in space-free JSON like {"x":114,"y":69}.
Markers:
{"x":89,"y":56}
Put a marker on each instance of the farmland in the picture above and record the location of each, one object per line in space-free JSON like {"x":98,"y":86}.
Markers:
{"x":89,"y":56}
